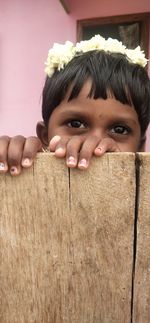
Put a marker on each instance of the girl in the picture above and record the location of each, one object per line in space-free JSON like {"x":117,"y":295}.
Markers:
{"x":96,"y":99}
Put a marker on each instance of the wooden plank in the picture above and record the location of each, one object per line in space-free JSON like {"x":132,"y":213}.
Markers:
{"x":142,"y":269}
{"x":102,"y":210}
{"x":34,"y":242}
{"x":67,"y":242}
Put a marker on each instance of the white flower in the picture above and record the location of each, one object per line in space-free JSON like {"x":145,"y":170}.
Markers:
{"x":137,"y":56}
{"x":60,"y":55}
{"x":96,"y":42}
{"x":114,"y":46}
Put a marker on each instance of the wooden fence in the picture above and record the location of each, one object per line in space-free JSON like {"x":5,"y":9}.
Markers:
{"x":75,"y":245}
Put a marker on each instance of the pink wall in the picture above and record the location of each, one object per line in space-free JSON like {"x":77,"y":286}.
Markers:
{"x":27,"y":29}
{"x":82,"y":9}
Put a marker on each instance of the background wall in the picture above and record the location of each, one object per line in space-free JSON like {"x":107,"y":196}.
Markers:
{"x":27,"y":30}
{"x":101,"y":8}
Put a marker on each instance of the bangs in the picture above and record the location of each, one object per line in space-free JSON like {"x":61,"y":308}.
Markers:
{"x":106,"y":75}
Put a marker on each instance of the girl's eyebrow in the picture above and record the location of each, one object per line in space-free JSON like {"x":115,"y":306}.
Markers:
{"x":124,"y":119}
{"x":73,"y":113}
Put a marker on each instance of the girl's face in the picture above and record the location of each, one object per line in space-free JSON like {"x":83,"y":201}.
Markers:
{"x":84,"y":116}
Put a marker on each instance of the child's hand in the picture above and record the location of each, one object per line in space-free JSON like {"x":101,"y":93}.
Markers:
{"x":17,"y":152}
{"x":79,"y":150}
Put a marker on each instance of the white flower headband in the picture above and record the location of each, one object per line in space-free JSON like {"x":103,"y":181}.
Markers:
{"x":60,"y":55}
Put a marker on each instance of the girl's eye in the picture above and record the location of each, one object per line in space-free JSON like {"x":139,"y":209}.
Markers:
{"x":76,"y":124}
{"x":120,"y":130}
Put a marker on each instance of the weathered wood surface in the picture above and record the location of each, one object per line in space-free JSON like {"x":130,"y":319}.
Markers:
{"x":142,"y":269}
{"x":67,"y":242}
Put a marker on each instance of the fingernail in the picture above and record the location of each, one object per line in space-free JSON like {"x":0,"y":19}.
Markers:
{"x":2,"y":166}
{"x":71,"y":161}
{"x":98,"y":150}
{"x":26,"y":162}
{"x":82,"y":163}
{"x":14,"y":170}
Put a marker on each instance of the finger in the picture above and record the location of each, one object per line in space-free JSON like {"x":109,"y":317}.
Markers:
{"x":4,"y":143}
{"x":58,"y":145}
{"x":15,"y":151}
{"x":53,"y":143}
{"x":106,"y":145}
{"x":73,"y":147}
{"x":31,"y":147}
{"x":87,"y":151}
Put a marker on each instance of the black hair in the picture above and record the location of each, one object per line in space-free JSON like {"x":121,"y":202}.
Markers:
{"x":128,"y":82}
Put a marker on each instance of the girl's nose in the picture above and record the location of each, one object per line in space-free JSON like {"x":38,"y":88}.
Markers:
{"x":98,"y":132}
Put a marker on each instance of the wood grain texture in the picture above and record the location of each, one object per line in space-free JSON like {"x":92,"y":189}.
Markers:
{"x":67,"y":242}
{"x":102,"y":211}
{"x":142,"y":269}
